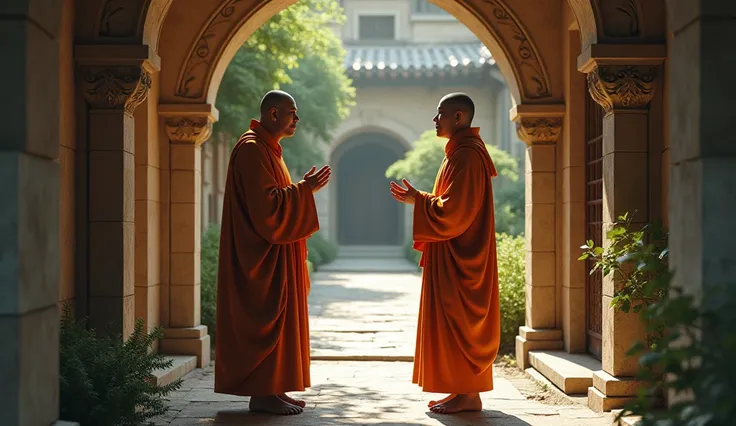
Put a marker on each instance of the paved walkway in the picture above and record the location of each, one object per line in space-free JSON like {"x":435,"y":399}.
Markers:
{"x":373,"y":316}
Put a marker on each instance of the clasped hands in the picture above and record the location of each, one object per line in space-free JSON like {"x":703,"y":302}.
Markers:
{"x":317,"y":179}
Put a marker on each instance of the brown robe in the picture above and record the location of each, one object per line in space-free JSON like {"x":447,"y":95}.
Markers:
{"x":459,"y":330}
{"x":262,"y":345}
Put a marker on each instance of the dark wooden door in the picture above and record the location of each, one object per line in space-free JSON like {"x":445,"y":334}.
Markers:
{"x":594,"y":222}
{"x":367,"y":214}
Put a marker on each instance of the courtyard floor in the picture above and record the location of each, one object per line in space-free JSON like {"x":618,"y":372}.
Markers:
{"x":363,"y":330}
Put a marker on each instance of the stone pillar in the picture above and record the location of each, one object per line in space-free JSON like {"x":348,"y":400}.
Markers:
{"x":187,"y":127}
{"x":624,"y":88}
{"x":114,"y":80}
{"x":29,"y":213}
{"x":702,"y":151}
{"x":539,"y":126}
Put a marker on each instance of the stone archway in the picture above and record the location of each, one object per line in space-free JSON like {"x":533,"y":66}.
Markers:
{"x":360,"y":163}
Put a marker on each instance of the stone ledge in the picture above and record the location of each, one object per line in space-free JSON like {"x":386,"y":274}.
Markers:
{"x":616,"y":386}
{"x":523,"y":346}
{"x":185,"y":332}
{"x":572,"y":373}
{"x":600,"y":403}
{"x":529,"y":333}
{"x":183,"y":364}
{"x":64,"y":423}
{"x":199,"y":347}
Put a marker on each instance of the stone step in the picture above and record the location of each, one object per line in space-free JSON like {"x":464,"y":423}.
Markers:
{"x":369,"y":264}
{"x":572,"y":373}
{"x":182,"y":365}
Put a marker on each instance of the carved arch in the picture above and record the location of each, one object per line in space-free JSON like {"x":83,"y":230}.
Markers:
{"x":233,"y":21}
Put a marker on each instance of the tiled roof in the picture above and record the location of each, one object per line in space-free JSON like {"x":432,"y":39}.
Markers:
{"x":416,"y":58}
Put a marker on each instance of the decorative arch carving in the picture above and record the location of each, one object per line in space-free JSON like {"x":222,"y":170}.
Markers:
{"x":507,"y":29}
{"x":200,"y":74}
{"x":130,"y":21}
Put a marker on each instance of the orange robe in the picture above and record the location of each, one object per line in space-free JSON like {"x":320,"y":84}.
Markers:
{"x":262,"y":345}
{"x":459,"y":325}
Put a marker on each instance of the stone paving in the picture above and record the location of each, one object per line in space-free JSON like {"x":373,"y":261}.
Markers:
{"x":371,"y":317}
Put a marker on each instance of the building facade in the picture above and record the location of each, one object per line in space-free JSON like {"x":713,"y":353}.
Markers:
{"x":403,"y":56}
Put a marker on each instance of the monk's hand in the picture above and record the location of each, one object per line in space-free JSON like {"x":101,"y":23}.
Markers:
{"x":317,"y":179}
{"x":404,"y":195}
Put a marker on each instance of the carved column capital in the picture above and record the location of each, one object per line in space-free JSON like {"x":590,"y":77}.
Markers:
{"x":539,"y":130}
{"x":617,"y":87}
{"x":188,"y":129}
{"x":115,"y":87}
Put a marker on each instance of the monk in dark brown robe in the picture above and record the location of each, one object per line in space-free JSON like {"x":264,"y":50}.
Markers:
{"x":262,"y":346}
{"x":459,"y":331}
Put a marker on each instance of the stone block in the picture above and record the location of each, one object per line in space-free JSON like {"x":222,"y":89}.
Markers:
{"x":147,"y":305}
{"x":185,"y":268}
{"x":600,"y":403}
{"x":112,"y":190}
{"x":540,"y":268}
{"x":29,"y":225}
{"x":540,"y":306}
{"x":540,"y":187}
{"x":185,"y":305}
{"x":626,"y":131}
{"x":573,"y":184}
{"x":616,"y":386}
{"x":682,"y":13}
{"x":537,"y":334}
{"x":573,"y":319}
{"x":186,"y":186}
{"x":185,"y":332}
{"x":113,"y":314}
{"x":199,"y":347}
{"x":620,"y":332}
{"x":186,"y":157}
{"x":30,"y":376}
{"x":540,"y":227}
{"x":571,"y":373}
{"x":573,"y":235}
{"x":523,"y":346}
{"x":112,"y":258}
{"x":185,"y":227}
{"x":31,"y":103}
{"x":111,"y":130}
{"x":541,"y":158}
{"x":625,"y":177}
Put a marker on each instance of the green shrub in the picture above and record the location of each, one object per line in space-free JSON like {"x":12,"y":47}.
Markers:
{"x":511,"y":282}
{"x":321,"y":250}
{"x":208,"y":277}
{"x":512,"y":291}
{"x":107,"y":382}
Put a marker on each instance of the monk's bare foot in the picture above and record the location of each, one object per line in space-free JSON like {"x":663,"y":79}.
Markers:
{"x":462,"y":402}
{"x":292,"y":401}
{"x":273,"y":405}
{"x":445,"y":399}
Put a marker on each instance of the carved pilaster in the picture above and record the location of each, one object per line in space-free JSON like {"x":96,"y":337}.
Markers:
{"x":119,"y":87}
{"x":539,"y":130}
{"x":622,"y":87}
{"x":188,"y":130}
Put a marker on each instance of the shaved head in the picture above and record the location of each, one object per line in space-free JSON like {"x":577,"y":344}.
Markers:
{"x":275,"y":99}
{"x":278,"y":113}
{"x":460,"y":102}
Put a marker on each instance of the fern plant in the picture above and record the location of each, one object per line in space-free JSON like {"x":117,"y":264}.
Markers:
{"x":107,"y":382}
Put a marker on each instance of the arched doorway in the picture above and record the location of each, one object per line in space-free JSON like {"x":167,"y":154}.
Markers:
{"x":367,"y":215}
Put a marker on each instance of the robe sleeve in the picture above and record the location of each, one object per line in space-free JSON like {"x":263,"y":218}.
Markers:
{"x":448,"y":215}
{"x":280,"y":215}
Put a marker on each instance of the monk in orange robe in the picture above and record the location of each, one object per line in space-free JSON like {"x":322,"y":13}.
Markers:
{"x":459,"y":331}
{"x":262,"y":346}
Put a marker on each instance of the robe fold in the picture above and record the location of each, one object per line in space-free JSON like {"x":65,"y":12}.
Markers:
{"x":459,"y":325}
{"x":262,"y":344}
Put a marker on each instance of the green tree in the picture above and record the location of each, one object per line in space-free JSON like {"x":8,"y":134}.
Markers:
{"x":421,"y":163}
{"x":296,"y":51}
